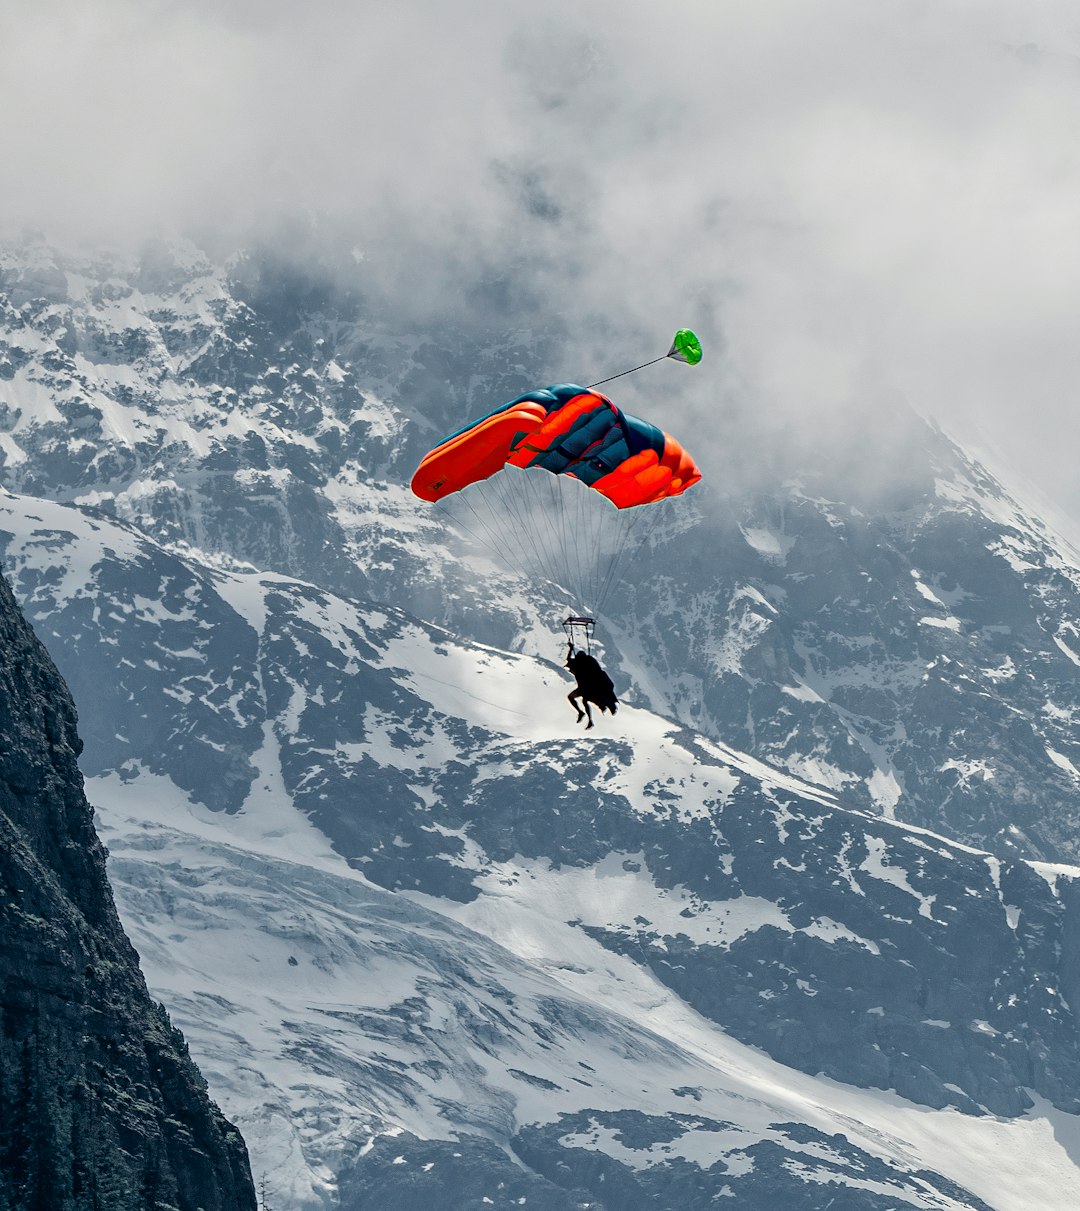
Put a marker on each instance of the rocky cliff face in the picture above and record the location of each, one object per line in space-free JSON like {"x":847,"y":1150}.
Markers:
{"x":100,"y":1103}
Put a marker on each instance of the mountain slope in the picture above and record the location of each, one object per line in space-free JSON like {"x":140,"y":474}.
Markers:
{"x":873,"y":613}
{"x":394,"y":900}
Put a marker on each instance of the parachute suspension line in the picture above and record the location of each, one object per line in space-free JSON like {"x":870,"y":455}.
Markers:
{"x":636,"y":536}
{"x":529,"y":525}
{"x":481,"y":540}
{"x":636,"y":541}
{"x":599,"y":521}
{"x":602,"y":567}
{"x":550,"y":507}
{"x":576,"y":545}
{"x":616,"y":557}
{"x":558,"y":515}
{"x":482,"y":508}
{"x":587,"y":525}
{"x":566,"y":507}
{"x":525,"y":539}
{"x":604,"y":523}
{"x":489,"y":521}
{"x":487,"y":538}
{"x":490,"y":538}
{"x":511,"y":504}
{"x":610,"y":565}
{"x":566,"y":538}
{"x":521,"y":558}
{"x":539,"y":521}
{"x":538,"y":512}
{"x":573,"y":548}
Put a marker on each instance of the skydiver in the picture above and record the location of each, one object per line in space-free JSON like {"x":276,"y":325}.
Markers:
{"x":593,"y":685}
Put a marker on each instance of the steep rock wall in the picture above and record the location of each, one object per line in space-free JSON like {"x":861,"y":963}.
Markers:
{"x":100,"y":1104}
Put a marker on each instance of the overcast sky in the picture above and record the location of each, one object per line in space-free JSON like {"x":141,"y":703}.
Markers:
{"x":858,"y":201}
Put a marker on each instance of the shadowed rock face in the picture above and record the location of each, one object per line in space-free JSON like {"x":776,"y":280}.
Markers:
{"x":100,"y":1103}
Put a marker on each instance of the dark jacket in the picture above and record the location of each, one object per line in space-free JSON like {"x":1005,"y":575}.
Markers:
{"x":593,"y":682}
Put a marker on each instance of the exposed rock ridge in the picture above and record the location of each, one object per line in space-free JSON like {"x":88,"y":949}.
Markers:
{"x":100,"y":1103}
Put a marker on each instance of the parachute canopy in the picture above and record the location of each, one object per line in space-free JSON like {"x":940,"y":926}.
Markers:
{"x":567,"y":430}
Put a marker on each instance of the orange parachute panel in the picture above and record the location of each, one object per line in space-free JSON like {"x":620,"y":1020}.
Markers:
{"x":475,"y":454}
{"x":557,"y":424}
{"x":647,"y":477}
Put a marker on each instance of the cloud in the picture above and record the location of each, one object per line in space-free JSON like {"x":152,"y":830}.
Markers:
{"x":857,"y":203}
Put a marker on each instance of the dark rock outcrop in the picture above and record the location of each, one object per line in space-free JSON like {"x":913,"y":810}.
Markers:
{"x":100,"y":1103}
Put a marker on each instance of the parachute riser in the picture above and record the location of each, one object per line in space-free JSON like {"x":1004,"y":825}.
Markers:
{"x":575,"y":625}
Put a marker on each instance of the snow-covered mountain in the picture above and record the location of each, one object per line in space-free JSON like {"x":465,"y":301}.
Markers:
{"x":432,"y":945}
{"x":392,"y":900}
{"x":908,"y":635}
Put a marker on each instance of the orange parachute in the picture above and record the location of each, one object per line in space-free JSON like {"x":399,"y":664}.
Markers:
{"x":559,"y":530}
{"x":567,"y":430}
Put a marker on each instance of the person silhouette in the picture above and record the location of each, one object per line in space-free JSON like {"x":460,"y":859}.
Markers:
{"x":593,"y":685}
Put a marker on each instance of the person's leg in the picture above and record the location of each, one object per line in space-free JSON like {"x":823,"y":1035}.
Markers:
{"x":572,"y":697}
{"x":585,"y":704}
